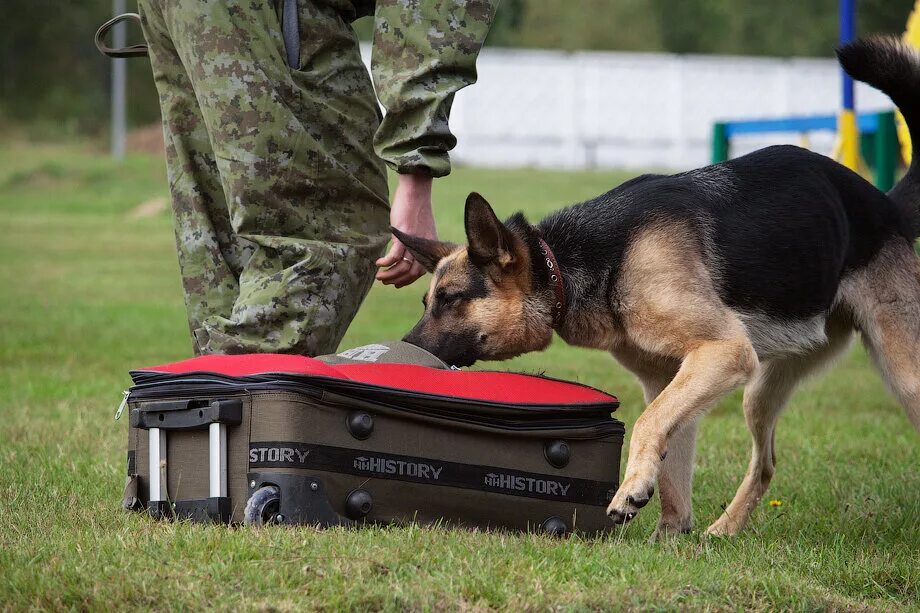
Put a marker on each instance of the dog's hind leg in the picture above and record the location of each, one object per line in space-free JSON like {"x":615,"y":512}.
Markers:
{"x":764,"y":399}
{"x":885,"y":298}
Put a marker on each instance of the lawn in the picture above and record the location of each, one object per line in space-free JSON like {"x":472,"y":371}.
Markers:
{"x":90,"y":289}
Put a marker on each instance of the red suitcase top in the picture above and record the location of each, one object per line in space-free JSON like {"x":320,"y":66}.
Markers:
{"x":488,"y":386}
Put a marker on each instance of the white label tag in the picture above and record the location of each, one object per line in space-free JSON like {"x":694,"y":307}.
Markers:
{"x":367,"y":353}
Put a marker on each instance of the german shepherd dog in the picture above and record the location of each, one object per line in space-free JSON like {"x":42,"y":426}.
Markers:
{"x":752,"y":272}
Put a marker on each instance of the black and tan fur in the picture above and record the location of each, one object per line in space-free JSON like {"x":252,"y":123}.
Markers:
{"x":754,"y":272}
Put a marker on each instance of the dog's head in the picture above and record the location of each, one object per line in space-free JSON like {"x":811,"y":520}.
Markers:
{"x":489,"y":300}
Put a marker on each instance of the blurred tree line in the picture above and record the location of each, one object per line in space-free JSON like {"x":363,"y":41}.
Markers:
{"x":736,"y":27}
{"x":52,"y":76}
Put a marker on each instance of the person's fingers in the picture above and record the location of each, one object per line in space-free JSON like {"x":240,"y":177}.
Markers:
{"x":391,"y":274}
{"x":396,"y":253}
{"x":410,"y":276}
{"x":414,"y":274}
{"x":404,"y":275}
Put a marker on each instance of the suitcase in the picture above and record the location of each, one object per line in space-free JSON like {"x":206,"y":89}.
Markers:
{"x":385,"y":433}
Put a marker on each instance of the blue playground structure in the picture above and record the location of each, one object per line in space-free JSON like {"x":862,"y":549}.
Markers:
{"x":879,"y":145}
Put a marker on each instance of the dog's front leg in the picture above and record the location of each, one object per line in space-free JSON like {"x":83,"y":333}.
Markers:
{"x":707,"y":373}
{"x":675,"y":483}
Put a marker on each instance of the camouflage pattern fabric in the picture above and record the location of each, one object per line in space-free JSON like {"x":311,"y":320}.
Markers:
{"x":424,"y":51}
{"x":280,"y":201}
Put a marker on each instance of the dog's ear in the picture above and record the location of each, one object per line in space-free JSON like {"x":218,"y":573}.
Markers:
{"x":490,"y":241}
{"x":425,"y":251}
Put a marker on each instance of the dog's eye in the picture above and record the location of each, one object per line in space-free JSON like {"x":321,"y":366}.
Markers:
{"x":448,"y":299}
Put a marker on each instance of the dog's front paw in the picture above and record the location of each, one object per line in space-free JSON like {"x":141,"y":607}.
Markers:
{"x":669,"y":529}
{"x":632,"y":496}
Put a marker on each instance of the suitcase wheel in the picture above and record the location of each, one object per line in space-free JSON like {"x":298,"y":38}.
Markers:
{"x":555,"y":526}
{"x":263,"y":506}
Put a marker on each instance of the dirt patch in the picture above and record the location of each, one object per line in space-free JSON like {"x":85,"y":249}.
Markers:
{"x":149,"y":208}
{"x":148,"y":139}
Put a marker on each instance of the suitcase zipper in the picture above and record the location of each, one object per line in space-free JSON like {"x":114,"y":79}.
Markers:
{"x":200,"y":387}
{"x":124,"y":403}
{"x":588,"y":428}
{"x":153,"y":386}
{"x":157,"y":387}
{"x":316,"y":384}
{"x":166,"y":382}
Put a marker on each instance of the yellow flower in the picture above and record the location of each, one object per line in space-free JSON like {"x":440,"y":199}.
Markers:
{"x":776,"y":503}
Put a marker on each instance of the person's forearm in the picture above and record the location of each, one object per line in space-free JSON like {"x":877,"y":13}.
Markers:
{"x":410,"y":213}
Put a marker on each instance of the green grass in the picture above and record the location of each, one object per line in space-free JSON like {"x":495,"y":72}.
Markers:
{"x":88,"y":292}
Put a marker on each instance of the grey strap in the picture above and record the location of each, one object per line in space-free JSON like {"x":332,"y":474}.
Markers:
{"x":290,"y":30}
{"x":138,"y":50}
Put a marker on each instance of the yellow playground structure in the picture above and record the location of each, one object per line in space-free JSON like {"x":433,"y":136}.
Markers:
{"x":883,"y":131}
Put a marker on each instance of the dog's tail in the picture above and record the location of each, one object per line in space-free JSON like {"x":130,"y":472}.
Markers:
{"x":886,"y":63}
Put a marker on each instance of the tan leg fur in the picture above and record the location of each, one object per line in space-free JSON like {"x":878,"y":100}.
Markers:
{"x":670,"y":310}
{"x":764,"y":399}
{"x":885,"y":299}
{"x":675,"y":481}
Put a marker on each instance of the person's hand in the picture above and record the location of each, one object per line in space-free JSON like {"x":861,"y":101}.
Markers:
{"x":410,"y":213}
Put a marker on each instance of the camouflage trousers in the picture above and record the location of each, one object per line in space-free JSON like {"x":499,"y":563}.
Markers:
{"x":280,"y":203}
{"x":280,"y":200}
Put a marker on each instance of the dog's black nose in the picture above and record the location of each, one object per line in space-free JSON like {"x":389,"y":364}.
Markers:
{"x":414,"y":338}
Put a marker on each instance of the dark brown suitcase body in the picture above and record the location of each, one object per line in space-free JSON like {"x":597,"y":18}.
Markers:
{"x":313,"y":447}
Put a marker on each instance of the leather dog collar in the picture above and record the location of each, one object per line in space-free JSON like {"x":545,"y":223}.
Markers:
{"x":555,"y":277}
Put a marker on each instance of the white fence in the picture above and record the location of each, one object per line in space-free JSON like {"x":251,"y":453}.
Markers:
{"x":633,"y":110}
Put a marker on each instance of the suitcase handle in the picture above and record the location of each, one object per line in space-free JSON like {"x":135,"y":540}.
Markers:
{"x":187,"y":414}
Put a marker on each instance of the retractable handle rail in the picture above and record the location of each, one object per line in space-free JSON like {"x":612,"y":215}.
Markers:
{"x":158,"y":418}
